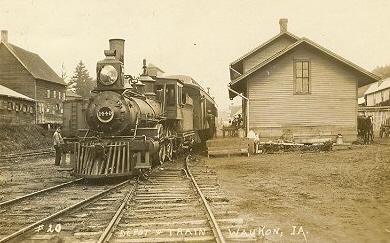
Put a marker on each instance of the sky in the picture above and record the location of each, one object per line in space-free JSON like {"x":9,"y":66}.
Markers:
{"x":199,"y":38}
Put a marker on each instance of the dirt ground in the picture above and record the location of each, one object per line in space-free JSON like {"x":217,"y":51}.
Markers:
{"x":339,"y":196}
{"x":21,"y":176}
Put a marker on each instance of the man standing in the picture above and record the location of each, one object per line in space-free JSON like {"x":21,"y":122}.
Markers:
{"x":211,"y":121}
{"x":58,"y":141}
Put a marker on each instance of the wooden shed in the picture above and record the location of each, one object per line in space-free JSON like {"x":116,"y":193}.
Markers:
{"x":27,"y":73}
{"x":16,"y":108}
{"x":298,"y":89}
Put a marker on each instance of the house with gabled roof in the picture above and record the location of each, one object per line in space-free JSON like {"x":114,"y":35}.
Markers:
{"x":378,"y":93}
{"x":297,"y":88}
{"x":154,"y":71}
{"x":27,"y":73}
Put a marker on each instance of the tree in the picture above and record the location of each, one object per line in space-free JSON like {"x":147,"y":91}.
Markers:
{"x":81,"y":83}
{"x":63,"y":74}
{"x":383,"y":72}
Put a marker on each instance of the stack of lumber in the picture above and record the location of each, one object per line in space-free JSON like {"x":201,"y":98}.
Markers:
{"x":228,"y":146}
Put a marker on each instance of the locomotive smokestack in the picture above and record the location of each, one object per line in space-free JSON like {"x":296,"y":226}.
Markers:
{"x":119,"y":46}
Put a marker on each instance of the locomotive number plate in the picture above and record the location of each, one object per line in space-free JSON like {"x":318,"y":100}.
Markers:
{"x":105,"y":114}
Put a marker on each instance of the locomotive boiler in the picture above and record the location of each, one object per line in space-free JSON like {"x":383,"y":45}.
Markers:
{"x":115,"y":114}
{"x":136,"y":123}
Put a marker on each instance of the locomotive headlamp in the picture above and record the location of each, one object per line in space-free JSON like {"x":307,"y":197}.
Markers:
{"x":108,"y":75}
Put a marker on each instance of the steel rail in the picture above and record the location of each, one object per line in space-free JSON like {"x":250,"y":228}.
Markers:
{"x":79,"y":204}
{"x":39,"y":192}
{"x":212,"y":221}
{"x":25,"y":155}
{"x":107,"y":233}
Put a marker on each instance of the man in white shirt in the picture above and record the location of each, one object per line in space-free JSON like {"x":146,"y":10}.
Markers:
{"x":58,"y":141}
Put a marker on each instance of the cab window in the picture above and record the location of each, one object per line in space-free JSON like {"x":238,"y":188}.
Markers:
{"x":170,"y":94}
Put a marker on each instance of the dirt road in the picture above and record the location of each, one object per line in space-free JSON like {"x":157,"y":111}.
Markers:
{"x":340,"y":196}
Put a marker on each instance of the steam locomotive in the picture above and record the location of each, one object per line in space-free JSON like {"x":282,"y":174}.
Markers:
{"x":136,"y":123}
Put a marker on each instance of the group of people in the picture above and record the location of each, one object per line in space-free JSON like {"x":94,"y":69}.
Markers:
{"x":365,"y":126}
{"x":237,"y":122}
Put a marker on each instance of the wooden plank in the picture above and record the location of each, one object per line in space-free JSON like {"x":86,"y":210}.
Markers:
{"x":82,"y":147}
{"x":123,"y":158}
{"x":102,"y":165}
{"x":118,"y":158}
{"x":128,"y":162}
{"x":108,"y":160}
{"x":114,"y":158}
{"x":87,"y":161}
{"x":86,"y":158}
{"x":228,"y":152}
{"x":77,"y":159}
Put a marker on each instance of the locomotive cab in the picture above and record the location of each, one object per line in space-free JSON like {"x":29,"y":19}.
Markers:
{"x":170,"y":91}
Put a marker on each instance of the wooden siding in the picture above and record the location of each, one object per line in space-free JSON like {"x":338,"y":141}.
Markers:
{"x":188,"y":115}
{"x":54,"y":115}
{"x":74,"y":117}
{"x":266,"y":52}
{"x":11,"y":115}
{"x":13,"y":75}
{"x":331,"y":108}
{"x":378,"y":97}
{"x":370,"y":100}
{"x":43,"y":86}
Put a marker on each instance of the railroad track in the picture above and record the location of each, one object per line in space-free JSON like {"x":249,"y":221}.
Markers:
{"x":171,"y":207}
{"x":36,"y":193}
{"x":26,"y":154}
{"x":22,"y":216}
{"x":175,"y":204}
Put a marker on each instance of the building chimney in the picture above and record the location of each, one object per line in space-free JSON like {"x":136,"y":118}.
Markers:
{"x":283,"y":25}
{"x":4,"y":36}
{"x":119,"y":46}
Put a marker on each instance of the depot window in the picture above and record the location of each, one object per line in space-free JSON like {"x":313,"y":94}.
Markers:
{"x":301,"y":76}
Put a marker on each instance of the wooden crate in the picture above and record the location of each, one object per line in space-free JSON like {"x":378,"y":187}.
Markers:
{"x":228,"y":146}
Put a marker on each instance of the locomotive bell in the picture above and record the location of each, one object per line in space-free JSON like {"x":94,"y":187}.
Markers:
{"x":149,"y":83}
